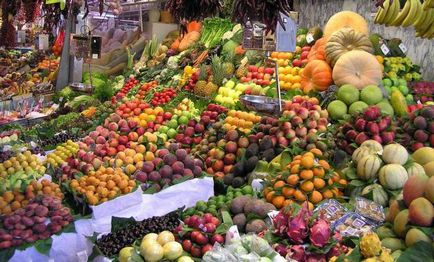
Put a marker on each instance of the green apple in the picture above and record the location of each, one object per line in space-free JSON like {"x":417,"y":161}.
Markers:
{"x":163,"y":129}
{"x":404,"y":89}
{"x":171,"y":133}
{"x":186,"y":114}
{"x":183,"y":120}
{"x":172,"y":123}
{"x":387,"y":82}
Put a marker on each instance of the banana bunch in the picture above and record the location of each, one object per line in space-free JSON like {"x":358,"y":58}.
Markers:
{"x":414,"y":13}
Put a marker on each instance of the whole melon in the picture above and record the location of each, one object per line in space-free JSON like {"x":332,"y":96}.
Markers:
{"x":393,"y":176}
{"x":346,"y":19}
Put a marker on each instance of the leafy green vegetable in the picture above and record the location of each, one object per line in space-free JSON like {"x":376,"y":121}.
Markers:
{"x":213,"y":30}
{"x":103,"y":91}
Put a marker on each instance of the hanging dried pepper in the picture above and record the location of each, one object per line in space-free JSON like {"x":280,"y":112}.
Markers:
{"x":265,"y":11}
{"x":30,"y":8}
{"x":184,"y":11}
{"x":7,"y":31}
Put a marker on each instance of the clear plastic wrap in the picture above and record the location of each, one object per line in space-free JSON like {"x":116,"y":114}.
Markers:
{"x":370,"y":209}
{"x":218,"y":254}
{"x":353,"y":224}
{"x":330,"y":210}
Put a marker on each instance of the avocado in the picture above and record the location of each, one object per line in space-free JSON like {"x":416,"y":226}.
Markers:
{"x":316,"y":33}
{"x":228,"y":179}
{"x":268,"y":155}
{"x":266,"y":143}
{"x":252,"y":150}
{"x":239,"y":169}
{"x":238,"y":182}
{"x":251,"y":164}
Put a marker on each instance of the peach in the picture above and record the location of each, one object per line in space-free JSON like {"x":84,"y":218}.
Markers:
{"x":421,"y":212}
{"x":414,"y":188}
{"x":133,"y":136}
{"x":119,"y":163}
{"x":113,"y":127}
{"x":130,"y":169}
{"x":149,"y":156}
{"x":100,"y":140}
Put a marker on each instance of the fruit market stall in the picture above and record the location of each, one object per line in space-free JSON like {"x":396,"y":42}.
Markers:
{"x":214,"y":144}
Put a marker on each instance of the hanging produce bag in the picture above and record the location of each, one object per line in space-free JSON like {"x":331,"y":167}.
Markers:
{"x":58,"y":44}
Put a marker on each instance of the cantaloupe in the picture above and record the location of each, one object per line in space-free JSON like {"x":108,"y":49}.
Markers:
{"x":346,"y":19}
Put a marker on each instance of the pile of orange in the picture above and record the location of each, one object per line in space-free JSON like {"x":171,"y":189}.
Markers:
{"x":240,"y":120}
{"x":132,"y":159}
{"x":290,"y":77}
{"x":307,"y":178}
{"x":13,"y":200}
{"x":103,"y":185}
{"x":282,"y":58}
{"x":147,"y":115}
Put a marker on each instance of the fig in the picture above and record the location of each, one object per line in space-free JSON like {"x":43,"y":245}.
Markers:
{"x":44,"y":235}
{"x":27,"y":221}
{"x":5,"y":237}
{"x":31,"y":239}
{"x":20,"y":226}
{"x":41,"y":211}
{"x":5,"y":244}
{"x":54,"y":228}
{"x":17,"y":242}
{"x":40,"y":227}
{"x":37,"y":219}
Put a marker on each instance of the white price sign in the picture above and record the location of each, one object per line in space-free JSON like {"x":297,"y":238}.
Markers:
{"x":403,"y":48}
{"x":309,"y":38}
{"x":384,"y":49}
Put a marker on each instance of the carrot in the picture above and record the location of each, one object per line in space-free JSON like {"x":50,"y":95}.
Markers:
{"x":200,"y":58}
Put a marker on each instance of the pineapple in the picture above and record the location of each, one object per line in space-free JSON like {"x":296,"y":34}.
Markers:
{"x":228,"y":65}
{"x":241,"y":71}
{"x":385,"y":255}
{"x":370,"y":245}
{"x":199,"y":88}
{"x":218,"y":73}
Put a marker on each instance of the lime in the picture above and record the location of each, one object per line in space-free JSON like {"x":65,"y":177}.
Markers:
{"x":247,"y":190}
{"x":237,"y":194}
{"x":189,"y":211}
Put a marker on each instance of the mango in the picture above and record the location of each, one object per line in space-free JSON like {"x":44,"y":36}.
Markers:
{"x":394,"y":209}
{"x":414,"y":235}
{"x":393,"y":243}
{"x":414,"y":188}
{"x":421,"y":212}
{"x":400,"y":223}
{"x":423,"y":155}
{"x":429,"y":168}
{"x":429,"y":189}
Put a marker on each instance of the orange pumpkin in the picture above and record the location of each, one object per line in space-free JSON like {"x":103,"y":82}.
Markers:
{"x":357,"y":68}
{"x":346,"y":19}
{"x":317,"y":52}
{"x":317,"y":75}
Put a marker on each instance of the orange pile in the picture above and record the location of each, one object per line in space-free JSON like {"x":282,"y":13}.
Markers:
{"x":242,"y":120}
{"x":103,"y":185}
{"x":306,"y":178}
{"x":13,"y":200}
